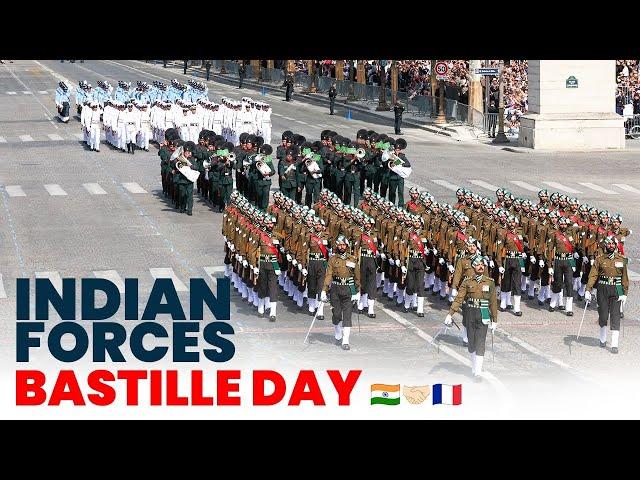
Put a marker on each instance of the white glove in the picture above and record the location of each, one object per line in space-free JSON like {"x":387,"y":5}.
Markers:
{"x":454,"y":293}
{"x":323,"y":296}
{"x":245,"y":263}
{"x":573,"y":269}
{"x":576,"y":255}
{"x":523,"y":255}
{"x":501,"y":269}
{"x":295,"y":262}
{"x":551,"y":271}
{"x":451,"y":268}
{"x":493,"y":326}
{"x":491,"y":264}
{"x":397,"y":262}
{"x":404,"y":270}
{"x":383,"y":257}
{"x":587,"y":296}
{"x":355,"y":297}
{"x":239,"y":258}
{"x":441,"y":261}
{"x":225,"y":237}
{"x":448,"y":320}
{"x":281,"y":249}
{"x":304,"y":272}
{"x":288,"y":257}
{"x":299,"y":266}
{"x":533,"y":259}
{"x":541,"y":263}
{"x":233,"y":249}
{"x":622,"y":298}
{"x":381,"y":245}
{"x":435,"y":251}
{"x":585,"y":259}
{"x":256,"y":270}
{"x":592,"y":262}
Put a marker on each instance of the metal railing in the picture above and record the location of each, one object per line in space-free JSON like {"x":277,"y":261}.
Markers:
{"x":632,"y":126}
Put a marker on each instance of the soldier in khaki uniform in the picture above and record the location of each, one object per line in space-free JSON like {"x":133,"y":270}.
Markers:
{"x":464,"y":271}
{"x":369,"y":255}
{"x":477,"y":297}
{"x":561,"y":251}
{"x":266,"y":267}
{"x":510,"y":259}
{"x":416,"y":245}
{"x":610,"y":271}
{"x":342,"y":281}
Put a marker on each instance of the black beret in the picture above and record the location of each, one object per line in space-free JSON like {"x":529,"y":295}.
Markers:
{"x":401,"y":143}
{"x":189,"y":146}
{"x":362,"y":133}
{"x":221,"y":145}
{"x":317,"y":145}
{"x":266,"y":149}
{"x":229,"y":146}
{"x":287,"y":134}
{"x":250,"y":139}
{"x":243,"y":137}
{"x":258,"y":140}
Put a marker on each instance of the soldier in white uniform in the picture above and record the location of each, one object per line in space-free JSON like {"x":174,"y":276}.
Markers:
{"x":120,"y":127}
{"x":216,"y":119}
{"x":132,"y":125}
{"x":94,"y":126}
{"x":265,"y":121}
{"x":144,"y":133}
{"x":182,"y":123}
{"x":195,"y":124}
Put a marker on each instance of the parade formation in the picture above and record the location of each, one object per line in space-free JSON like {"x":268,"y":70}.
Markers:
{"x":339,"y":230}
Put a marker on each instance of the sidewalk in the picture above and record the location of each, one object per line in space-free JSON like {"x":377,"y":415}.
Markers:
{"x":458,"y":132}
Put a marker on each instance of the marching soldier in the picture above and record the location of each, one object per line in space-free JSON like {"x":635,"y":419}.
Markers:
{"x":225,"y":170}
{"x":185,"y":185}
{"x":610,"y":273}
{"x":269,"y":269}
{"x":396,"y":182}
{"x":317,"y":255}
{"x":263,"y":180}
{"x":477,"y":297}
{"x":416,"y":245}
{"x":464,"y":271}
{"x":352,"y":166}
{"x":288,"y":173}
{"x":342,"y":281}
{"x":510,"y":259}
{"x":369,"y":255}
{"x":562,"y":258}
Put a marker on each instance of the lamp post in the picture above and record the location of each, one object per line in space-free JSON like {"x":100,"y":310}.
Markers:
{"x":501,"y":137}
{"x":441,"y":115}
{"x":394,"y":82}
{"x":382,"y":100}
{"x":351,"y":95}
{"x":222,"y":69}
{"x":311,"y":66}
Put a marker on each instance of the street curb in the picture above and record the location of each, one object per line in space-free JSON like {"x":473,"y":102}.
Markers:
{"x":198,"y":71}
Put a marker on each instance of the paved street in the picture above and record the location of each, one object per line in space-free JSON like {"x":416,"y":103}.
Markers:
{"x":66,"y":211}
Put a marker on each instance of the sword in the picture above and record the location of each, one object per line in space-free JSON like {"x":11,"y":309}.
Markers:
{"x":312,"y":322}
{"x":581,"y":321}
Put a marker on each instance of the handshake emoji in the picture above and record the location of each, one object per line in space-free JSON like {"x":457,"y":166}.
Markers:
{"x":416,"y":395}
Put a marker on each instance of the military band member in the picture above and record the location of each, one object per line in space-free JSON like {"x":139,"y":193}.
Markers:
{"x":342,"y":281}
{"x":396,"y":182}
{"x":477,"y":298}
{"x":610,"y":273}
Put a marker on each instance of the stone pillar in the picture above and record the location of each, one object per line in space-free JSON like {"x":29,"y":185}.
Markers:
{"x":255,"y":64}
{"x":339,"y":69}
{"x":360,"y":71}
{"x":269,"y":63}
{"x":394,"y":81}
{"x":311,"y":67}
{"x":475,"y":90}
{"x":434,"y":85}
{"x":291,"y":66}
{"x":572,"y":106}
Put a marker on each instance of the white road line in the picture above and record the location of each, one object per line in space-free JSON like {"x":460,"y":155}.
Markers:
{"x":626,"y":187}
{"x":55,"y":190}
{"x":3,"y":140}
{"x":54,"y":277}
{"x":26,"y":138}
{"x":169,"y":273}
{"x":133,"y":187}
{"x":300,"y":121}
{"x":483,"y":184}
{"x":633,"y":276}
{"x":598,"y":188}
{"x":3,"y":293}
{"x":11,"y":93}
{"x":54,"y":136}
{"x":526,"y":186}
{"x":43,"y":92}
{"x":15,"y":191}
{"x":26,"y":92}
{"x":288,"y":118}
{"x":68,"y":82}
{"x":505,"y":395}
{"x":112,"y":276}
{"x":79,"y":136}
{"x":445,"y":184}
{"x":560,"y":186}
{"x":94,"y":188}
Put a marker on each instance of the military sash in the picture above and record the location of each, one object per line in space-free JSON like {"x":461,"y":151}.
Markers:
{"x":366,"y":239}
{"x":417,"y":241}
{"x":321,"y":245}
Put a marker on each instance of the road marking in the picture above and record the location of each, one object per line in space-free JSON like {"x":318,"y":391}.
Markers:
{"x":15,"y":191}
{"x":626,"y":187}
{"x":526,"y":186}
{"x":633,"y":276}
{"x":483,"y":184}
{"x":43,"y":92}
{"x":79,"y":136}
{"x":3,"y":140}
{"x":445,"y":184}
{"x":169,"y":273}
{"x":598,"y":188}
{"x":26,"y":92}
{"x":112,"y":276}
{"x":11,"y":93}
{"x":36,"y":98}
{"x":94,"y":188}
{"x":26,"y":138}
{"x":68,"y":82}
{"x":276,"y":114}
{"x":288,"y":118}
{"x":55,"y":190}
{"x":54,"y":136}
{"x":133,"y":187}
{"x":560,"y":186}
{"x":3,"y":293}
{"x":54,"y":277}
{"x":300,"y":121}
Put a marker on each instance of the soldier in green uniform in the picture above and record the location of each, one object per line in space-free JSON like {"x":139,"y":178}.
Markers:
{"x":288,"y":173}
{"x":225,"y":169}
{"x":165,"y":154}
{"x":610,"y":272}
{"x":338,"y":167}
{"x":312,"y":170}
{"x":396,"y":182}
{"x":477,"y":297}
{"x":342,"y":281}
{"x":352,"y":167}
{"x":263,"y":174}
{"x":281,"y":152}
{"x":184,"y":184}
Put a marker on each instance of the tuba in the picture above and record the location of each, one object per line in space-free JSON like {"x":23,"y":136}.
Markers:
{"x":395,"y":163}
{"x":311,"y":164}
{"x":261,"y":165}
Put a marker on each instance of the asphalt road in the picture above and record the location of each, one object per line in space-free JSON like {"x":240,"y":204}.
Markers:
{"x":68,"y":212}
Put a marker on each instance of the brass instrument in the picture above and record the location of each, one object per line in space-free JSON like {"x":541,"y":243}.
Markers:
{"x":361,"y":153}
{"x":311,"y":164}
{"x":395,"y":163}
{"x":261,"y":165}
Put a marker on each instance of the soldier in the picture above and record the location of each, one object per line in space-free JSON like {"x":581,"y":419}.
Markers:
{"x":610,"y":272}
{"x":288,"y":83}
{"x":369,"y":255}
{"x":225,"y":170}
{"x":398,"y":109}
{"x":312,"y":172}
{"x":396,"y":182}
{"x":269,"y":269}
{"x":288,"y":173}
{"x":332,"y":97}
{"x":342,"y":281}
{"x":317,"y":255}
{"x":562,"y":256}
{"x":352,"y":166}
{"x":144,"y":133}
{"x":477,"y":297}
{"x":464,"y":271}
{"x":416,"y":244}
{"x":263,"y":180}
{"x":241,"y":73}
{"x":186,"y":185}
{"x":510,"y":259}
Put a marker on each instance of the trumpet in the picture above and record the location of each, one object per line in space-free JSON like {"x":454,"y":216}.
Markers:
{"x":391,"y":158}
{"x":360,"y":154}
{"x":206,"y":164}
{"x":182,"y":162}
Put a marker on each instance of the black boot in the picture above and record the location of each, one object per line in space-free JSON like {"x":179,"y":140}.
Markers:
{"x":128,"y":148}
